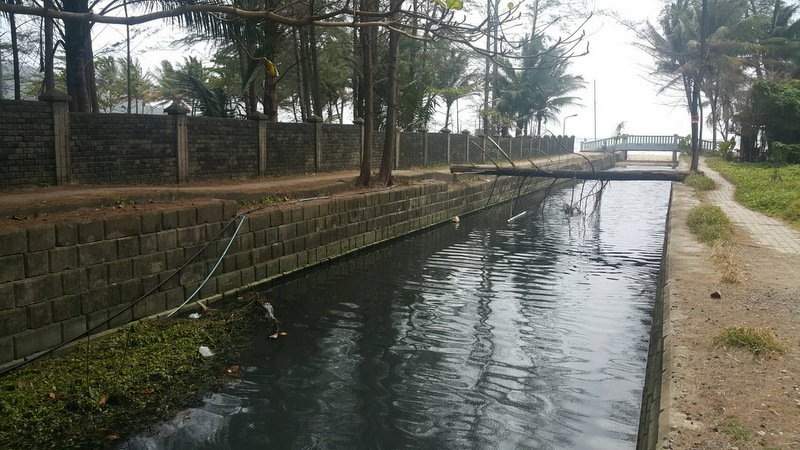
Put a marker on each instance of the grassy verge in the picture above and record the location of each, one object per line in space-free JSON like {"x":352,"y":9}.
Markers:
{"x":130,"y":379}
{"x":700,"y":182}
{"x":757,"y":340}
{"x":709,"y":224}
{"x":761,"y":187}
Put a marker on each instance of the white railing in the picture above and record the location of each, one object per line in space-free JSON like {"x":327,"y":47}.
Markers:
{"x":639,"y":143}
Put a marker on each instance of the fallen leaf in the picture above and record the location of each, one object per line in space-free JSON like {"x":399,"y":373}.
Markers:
{"x":52,"y":395}
{"x":149,"y":390}
{"x":103,"y":400}
{"x":190,"y":394}
{"x":113,"y":437}
{"x":233,"y":369}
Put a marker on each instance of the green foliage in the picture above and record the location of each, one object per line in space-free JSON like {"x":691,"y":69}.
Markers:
{"x":757,"y":340}
{"x":133,"y":378}
{"x":783,"y":154}
{"x":700,"y":182}
{"x":539,"y":90}
{"x":685,"y":144}
{"x":709,"y":224}
{"x":726,"y":150}
{"x":757,"y":187}
{"x":777,"y":110}
{"x":736,"y":430}
{"x":112,"y":83}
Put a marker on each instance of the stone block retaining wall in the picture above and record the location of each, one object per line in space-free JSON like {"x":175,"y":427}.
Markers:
{"x":58,"y":280}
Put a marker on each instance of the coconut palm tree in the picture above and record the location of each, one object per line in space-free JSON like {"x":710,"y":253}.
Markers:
{"x":538,"y":91}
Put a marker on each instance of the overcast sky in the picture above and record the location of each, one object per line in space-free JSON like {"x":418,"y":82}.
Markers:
{"x":625,"y":92}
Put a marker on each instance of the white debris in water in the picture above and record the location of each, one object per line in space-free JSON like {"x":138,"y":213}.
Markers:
{"x":455,"y":219}
{"x":205,"y":352}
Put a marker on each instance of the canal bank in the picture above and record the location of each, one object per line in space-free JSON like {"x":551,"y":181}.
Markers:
{"x":62,"y":278}
{"x":702,"y":393}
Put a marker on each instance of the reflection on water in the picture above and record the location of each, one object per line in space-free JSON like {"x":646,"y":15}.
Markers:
{"x":483,"y":335}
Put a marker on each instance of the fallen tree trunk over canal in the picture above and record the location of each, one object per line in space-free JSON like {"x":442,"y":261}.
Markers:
{"x":602,"y":175}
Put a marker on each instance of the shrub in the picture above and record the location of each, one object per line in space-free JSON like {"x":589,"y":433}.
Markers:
{"x":700,"y":182}
{"x":785,"y":154}
{"x":757,"y":340}
{"x":709,"y":224}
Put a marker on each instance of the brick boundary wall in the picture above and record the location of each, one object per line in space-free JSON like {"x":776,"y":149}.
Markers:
{"x":43,"y":144}
{"x":58,"y":280}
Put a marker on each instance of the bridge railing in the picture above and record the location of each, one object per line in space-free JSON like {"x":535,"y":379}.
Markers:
{"x":639,"y":143}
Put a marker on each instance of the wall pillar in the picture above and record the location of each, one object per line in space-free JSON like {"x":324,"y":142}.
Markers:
{"x":179,"y":112}
{"x":262,"y":141}
{"x":424,"y":147}
{"x":447,"y":147}
{"x":397,"y":148}
{"x":317,"y":121}
{"x":359,"y":122}
{"x":59,"y":102}
{"x":466,"y":148}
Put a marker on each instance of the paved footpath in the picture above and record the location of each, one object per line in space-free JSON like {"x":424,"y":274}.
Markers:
{"x":765,"y":231}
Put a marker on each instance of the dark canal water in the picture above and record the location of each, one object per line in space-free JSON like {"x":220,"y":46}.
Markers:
{"x":479,"y":335}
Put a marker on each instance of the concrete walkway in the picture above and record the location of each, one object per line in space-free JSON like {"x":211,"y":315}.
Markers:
{"x":765,"y":231}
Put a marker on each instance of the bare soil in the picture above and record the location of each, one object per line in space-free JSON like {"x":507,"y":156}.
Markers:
{"x":729,"y":398}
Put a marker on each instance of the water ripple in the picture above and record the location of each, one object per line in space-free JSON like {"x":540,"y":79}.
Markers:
{"x":488,"y":335}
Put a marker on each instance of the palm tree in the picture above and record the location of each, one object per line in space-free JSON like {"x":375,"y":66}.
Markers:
{"x":538,"y":91}
{"x":454,"y":79}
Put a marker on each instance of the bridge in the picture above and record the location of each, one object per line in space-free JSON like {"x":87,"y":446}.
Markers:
{"x":640,"y":143}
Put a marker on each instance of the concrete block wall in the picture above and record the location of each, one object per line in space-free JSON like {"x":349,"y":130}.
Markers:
{"x":59,"y":280}
{"x":222,"y":148}
{"x":290,"y":148}
{"x":437,"y":148}
{"x":122,"y":148}
{"x":340,"y":145}
{"x":412,"y":151}
{"x":137,"y":149}
{"x":26,"y":144}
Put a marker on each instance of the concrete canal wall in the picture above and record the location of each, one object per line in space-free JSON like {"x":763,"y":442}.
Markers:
{"x":59,"y":280}
{"x":655,"y":393}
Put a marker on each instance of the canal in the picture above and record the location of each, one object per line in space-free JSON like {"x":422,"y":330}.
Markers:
{"x":481,"y":334}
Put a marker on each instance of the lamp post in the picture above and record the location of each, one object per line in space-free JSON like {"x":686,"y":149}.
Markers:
{"x":564,"y":124}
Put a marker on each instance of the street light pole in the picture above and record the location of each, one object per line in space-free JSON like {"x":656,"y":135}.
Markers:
{"x":564,"y":124}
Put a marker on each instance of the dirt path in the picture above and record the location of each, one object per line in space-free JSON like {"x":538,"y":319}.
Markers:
{"x":725,"y":398}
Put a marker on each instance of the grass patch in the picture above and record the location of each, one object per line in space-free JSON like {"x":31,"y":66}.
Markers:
{"x":700,"y":182}
{"x":709,"y":224}
{"x":133,"y":378}
{"x":757,"y":340}
{"x":726,"y":263}
{"x":764,"y":188}
{"x":736,"y":430}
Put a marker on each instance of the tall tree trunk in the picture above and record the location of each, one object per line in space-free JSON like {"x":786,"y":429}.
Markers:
{"x":91,"y":81}
{"x":367,"y":41}
{"x":358,"y":101}
{"x":12,"y":23}
{"x":390,"y":136}
{"x":250,"y":98}
{"x":694,"y":111}
{"x":49,"y":79}
{"x":271,"y":97}
{"x":298,"y":58}
{"x":305,"y":70}
{"x":314,"y":65}
{"x":76,"y":32}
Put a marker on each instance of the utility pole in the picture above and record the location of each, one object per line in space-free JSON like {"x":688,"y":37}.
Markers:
{"x":594,"y":103}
